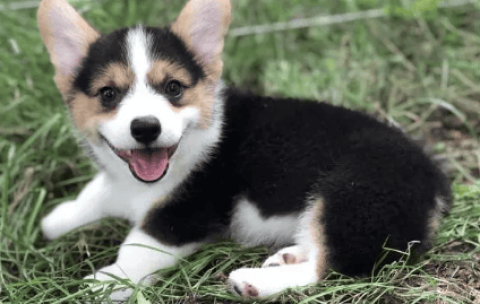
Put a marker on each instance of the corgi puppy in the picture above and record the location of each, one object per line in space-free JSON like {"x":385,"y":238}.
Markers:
{"x":189,"y":161}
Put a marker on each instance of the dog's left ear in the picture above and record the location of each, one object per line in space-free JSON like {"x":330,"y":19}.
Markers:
{"x":67,"y":37}
{"x":202,"y":25}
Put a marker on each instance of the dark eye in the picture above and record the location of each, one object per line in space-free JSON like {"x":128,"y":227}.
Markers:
{"x":108,"y":96}
{"x":173,"y":89}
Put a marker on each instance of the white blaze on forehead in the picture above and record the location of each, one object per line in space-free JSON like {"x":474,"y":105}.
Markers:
{"x":138,"y":45}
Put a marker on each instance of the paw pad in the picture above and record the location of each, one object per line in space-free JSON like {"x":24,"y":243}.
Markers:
{"x":245,"y":290}
{"x":286,"y":256}
{"x":289,"y":258}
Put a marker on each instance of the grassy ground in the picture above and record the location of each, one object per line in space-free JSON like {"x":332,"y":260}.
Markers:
{"x":420,"y":71}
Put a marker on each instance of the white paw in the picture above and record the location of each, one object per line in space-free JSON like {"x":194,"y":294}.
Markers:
{"x":240,"y":283}
{"x":263,"y":282}
{"x":106,"y":277}
{"x":123,"y":285}
{"x":257,"y":282}
{"x":59,"y":221}
{"x":287,"y":256}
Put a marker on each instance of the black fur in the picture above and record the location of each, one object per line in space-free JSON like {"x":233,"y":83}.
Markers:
{"x":167,"y":46}
{"x":377,"y":185}
{"x":107,"y":49}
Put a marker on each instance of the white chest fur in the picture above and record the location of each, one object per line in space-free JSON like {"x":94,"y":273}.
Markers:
{"x":250,"y":228}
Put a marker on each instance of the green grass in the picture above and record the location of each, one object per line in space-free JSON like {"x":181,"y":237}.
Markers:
{"x":420,"y":71}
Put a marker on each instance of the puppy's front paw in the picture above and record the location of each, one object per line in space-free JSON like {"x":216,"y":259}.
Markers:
{"x":59,"y":221}
{"x":107,"y":276}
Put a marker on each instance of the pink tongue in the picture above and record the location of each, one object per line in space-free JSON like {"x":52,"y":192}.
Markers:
{"x":149,"y":166}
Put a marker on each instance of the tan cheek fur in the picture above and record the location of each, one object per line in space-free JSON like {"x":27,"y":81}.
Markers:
{"x":201,"y":96}
{"x":87,"y":114}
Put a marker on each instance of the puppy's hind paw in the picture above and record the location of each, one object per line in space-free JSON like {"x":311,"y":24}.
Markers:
{"x":286,"y":256}
{"x":243,"y":289}
{"x":268,"y":281}
{"x":240,"y":283}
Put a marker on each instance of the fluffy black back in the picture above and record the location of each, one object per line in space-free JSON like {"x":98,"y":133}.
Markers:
{"x":377,"y":185}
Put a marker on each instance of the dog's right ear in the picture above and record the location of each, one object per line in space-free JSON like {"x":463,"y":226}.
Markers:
{"x":67,"y":37}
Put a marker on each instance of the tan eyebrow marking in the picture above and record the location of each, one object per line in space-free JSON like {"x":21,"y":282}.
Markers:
{"x":119,"y":74}
{"x":161,"y":70}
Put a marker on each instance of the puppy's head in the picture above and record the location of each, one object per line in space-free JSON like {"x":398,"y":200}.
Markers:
{"x":136,"y":94}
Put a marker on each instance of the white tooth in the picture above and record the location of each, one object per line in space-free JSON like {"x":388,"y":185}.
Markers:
{"x":129,"y":152}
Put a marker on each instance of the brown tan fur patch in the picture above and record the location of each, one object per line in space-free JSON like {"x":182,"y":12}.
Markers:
{"x":201,"y":96}
{"x":163,"y":70}
{"x":318,"y":232}
{"x":116,"y":75}
{"x":87,"y":114}
{"x":435,"y":217}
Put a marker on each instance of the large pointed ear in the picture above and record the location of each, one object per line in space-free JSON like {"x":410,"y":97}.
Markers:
{"x":202,"y":25}
{"x":67,"y":37}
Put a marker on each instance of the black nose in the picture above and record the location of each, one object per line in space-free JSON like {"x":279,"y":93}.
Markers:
{"x":145,"y":129}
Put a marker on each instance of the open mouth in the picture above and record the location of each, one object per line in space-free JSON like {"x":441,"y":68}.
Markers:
{"x":148,"y":165}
